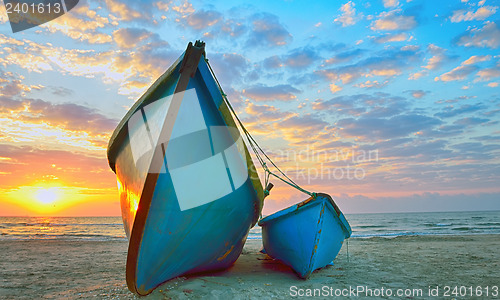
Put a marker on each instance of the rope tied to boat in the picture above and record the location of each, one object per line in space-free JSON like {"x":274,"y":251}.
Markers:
{"x":259,"y":153}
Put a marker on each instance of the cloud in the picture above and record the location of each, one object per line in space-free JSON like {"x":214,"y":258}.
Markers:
{"x":268,"y":31}
{"x":348,"y":16}
{"x":81,"y":24}
{"x":458,"y":73}
{"x":391,"y":3}
{"x":13,"y":87}
{"x":265,"y":113}
{"x":451,"y":111}
{"x":335,"y":88}
{"x":444,"y":131}
{"x":61,"y":91}
{"x":480,"y":14}
{"x":300,"y":58}
{"x":304,"y":121}
{"x":234,"y":28}
{"x":392,"y":21}
{"x":488,"y":74}
{"x":125,"y":11}
{"x":471,"y":121}
{"x":38,"y":117}
{"x":388,"y":63}
{"x":382,"y":128}
{"x":3,"y":16}
{"x":295,"y":59}
{"x":469,"y":66}
{"x":372,"y":84}
{"x":163,"y":5}
{"x":455,"y":100}
{"x":474,"y":59}
{"x":202,"y":19}
{"x":377,"y":105}
{"x":486,"y":37}
{"x":301,"y":129}
{"x":229,"y":67}
{"x":7,"y":105}
{"x":479,"y":149}
{"x":183,"y":8}
{"x":345,"y":56}
{"x":260,"y":92}
{"x":430,"y":151}
{"x":435,"y":62}
{"x":68,"y":116}
{"x":273,"y":62}
{"x":417,"y":75}
{"x":127,"y":38}
{"x":417,"y":93}
{"x":339,"y":106}
{"x":389,"y":38}
{"x":438,"y":59}
{"x":147,"y":61}
{"x":216,"y":25}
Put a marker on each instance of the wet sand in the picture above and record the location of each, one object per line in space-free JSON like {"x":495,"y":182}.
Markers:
{"x":81,"y":269}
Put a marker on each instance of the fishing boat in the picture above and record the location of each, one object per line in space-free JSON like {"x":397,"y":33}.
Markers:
{"x":306,"y":236}
{"x":189,"y":192}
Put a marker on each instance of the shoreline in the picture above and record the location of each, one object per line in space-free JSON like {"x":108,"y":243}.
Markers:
{"x":105,"y":239}
{"x":82,"y":269}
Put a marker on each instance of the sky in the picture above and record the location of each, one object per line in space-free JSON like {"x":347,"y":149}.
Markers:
{"x":386,"y":105}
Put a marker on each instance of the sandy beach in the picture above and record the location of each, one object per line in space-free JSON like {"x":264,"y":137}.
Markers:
{"x":83,"y":269}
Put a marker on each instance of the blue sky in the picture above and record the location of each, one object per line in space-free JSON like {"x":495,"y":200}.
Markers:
{"x":416,"y":82}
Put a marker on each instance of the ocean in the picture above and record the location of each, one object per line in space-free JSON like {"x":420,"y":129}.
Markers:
{"x":363,"y":226}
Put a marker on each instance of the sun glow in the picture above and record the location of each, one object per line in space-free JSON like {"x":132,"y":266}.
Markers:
{"x":57,"y":199}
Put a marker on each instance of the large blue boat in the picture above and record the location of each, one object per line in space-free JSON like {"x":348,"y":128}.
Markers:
{"x":188,"y":188}
{"x":306,"y":236}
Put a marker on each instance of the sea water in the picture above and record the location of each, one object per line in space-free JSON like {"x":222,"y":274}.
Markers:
{"x":363,"y":226}
{"x":68,"y":228}
{"x":433,"y":223}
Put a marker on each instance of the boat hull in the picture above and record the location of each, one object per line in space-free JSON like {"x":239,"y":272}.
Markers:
{"x":306,"y":236}
{"x":188,"y":189}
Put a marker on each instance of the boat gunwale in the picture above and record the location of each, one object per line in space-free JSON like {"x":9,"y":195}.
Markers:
{"x":287,"y":211}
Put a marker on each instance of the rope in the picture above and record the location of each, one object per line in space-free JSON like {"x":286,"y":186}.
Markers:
{"x":256,"y":148}
{"x":347,"y":250}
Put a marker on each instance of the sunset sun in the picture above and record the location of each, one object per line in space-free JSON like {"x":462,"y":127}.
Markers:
{"x":47,"y":195}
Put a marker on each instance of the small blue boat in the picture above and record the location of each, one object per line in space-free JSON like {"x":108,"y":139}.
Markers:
{"x":188,"y":188}
{"x":306,"y":236}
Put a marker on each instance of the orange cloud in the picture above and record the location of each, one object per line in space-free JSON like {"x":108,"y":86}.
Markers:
{"x":480,"y":14}
{"x":335,"y":88}
{"x":348,"y":17}
{"x":127,"y":38}
{"x":265,"y":113}
{"x":393,"y":20}
{"x":474,"y":59}
{"x":123,"y":11}
{"x":75,"y":25}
